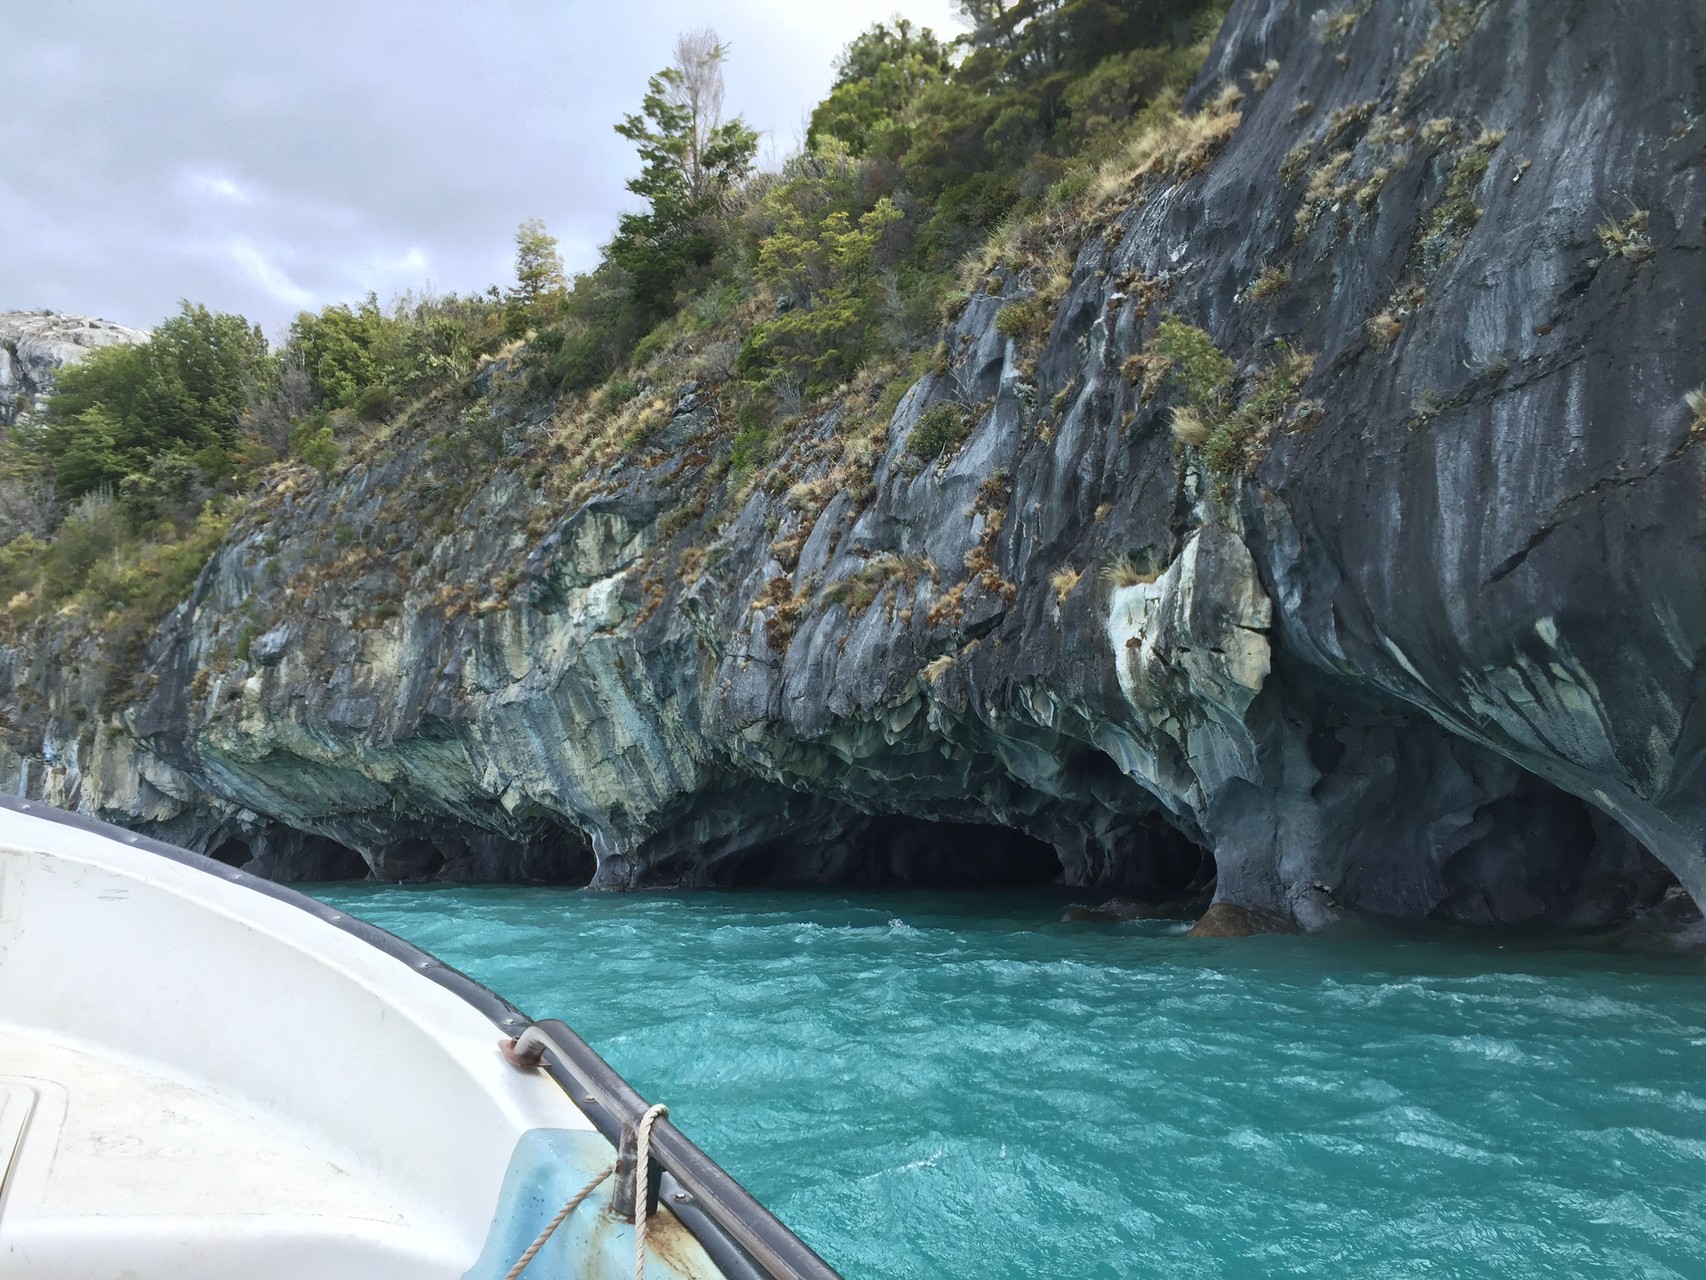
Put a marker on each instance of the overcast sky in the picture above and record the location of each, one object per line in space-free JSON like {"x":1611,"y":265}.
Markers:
{"x":262,"y":156}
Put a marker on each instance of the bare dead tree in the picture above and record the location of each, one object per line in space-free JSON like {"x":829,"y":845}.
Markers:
{"x":27,"y":506}
{"x":697,"y":90}
{"x":274,"y":408}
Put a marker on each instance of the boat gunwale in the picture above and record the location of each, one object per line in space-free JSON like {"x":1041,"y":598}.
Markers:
{"x":581,"y":1067}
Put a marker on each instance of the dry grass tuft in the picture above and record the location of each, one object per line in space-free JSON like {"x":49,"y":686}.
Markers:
{"x":1323,"y":191}
{"x":1437,"y":130}
{"x":1063,"y":582}
{"x":1291,"y":168}
{"x":1334,"y":27}
{"x":1384,"y":329}
{"x":1262,"y":79}
{"x":1627,"y":239}
{"x":1175,"y":146}
{"x":1369,"y":193}
{"x":1270,"y":283}
{"x":1189,"y":428}
{"x":1125,"y":573}
{"x":936,"y":668}
{"x":1696,"y":402}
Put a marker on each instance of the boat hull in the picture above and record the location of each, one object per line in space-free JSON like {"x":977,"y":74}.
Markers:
{"x":204,"y":1075}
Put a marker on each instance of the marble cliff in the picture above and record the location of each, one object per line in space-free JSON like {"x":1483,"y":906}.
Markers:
{"x":1427,"y":643}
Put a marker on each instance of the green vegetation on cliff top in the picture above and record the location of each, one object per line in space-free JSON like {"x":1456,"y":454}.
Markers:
{"x":929,"y":165}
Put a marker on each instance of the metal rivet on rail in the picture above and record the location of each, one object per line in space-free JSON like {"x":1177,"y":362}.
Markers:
{"x":26,"y":807}
{"x":334,"y":917}
{"x":132,"y":839}
{"x":681,"y":1197}
{"x":426,"y":964}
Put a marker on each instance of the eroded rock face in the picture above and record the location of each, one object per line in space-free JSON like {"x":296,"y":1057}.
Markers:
{"x":35,"y":344}
{"x":1433,"y":653}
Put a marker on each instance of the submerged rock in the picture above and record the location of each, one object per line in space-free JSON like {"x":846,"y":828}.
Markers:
{"x":1418,"y":634}
{"x":1113,"y":911}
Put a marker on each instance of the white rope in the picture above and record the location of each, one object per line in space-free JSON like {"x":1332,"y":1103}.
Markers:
{"x":562,"y":1215}
{"x":642,"y":1182}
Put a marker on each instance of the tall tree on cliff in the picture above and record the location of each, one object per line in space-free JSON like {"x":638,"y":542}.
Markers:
{"x":540,"y":285}
{"x":690,"y":159}
{"x":873,"y":104}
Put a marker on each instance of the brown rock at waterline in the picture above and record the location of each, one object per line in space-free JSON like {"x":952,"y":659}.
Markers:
{"x":1229,"y":920}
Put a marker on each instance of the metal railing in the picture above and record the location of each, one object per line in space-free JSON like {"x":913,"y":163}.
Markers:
{"x":744,"y":1239}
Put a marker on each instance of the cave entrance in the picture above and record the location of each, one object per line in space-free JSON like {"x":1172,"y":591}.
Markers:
{"x":1158,"y":864}
{"x":233,"y":853}
{"x":277,"y":852}
{"x":900,"y":852}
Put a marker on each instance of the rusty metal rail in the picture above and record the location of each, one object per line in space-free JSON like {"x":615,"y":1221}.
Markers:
{"x":744,"y":1239}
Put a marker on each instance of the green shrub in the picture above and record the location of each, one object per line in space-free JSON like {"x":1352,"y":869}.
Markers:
{"x":376,"y":403}
{"x":117,"y":411}
{"x":1237,"y":443}
{"x":1197,"y":365}
{"x":94,"y":530}
{"x":20,"y":567}
{"x":149,"y":582}
{"x":1072,"y":188}
{"x":314,"y":443}
{"x":1013,"y":321}
{"x":940,"y":429}
{"x":752,"y":444}
{"x":826,"y":261}
{"x":619,"y":390}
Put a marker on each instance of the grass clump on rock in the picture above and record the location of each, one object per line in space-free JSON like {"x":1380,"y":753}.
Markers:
{"x":1696,"y":402}
{"x":940,"y":429}
{"x":1231,"y":436}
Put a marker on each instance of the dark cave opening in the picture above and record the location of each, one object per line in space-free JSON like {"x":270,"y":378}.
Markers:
{"x":415,"y":858}
{"x":233,"y":853}
{"x":282,"y":853}
{"x":894,"y":851}
{"x":1539,"y":855}
{"x":469,"y":855}
{"x":1156,"y":863}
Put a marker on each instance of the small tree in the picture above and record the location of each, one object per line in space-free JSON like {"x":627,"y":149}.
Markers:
{"x":827,"y":262}
{"x":539,"y":280}
{"x":690,"y":159}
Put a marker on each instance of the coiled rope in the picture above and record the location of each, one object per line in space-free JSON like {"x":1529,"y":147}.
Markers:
{"x":642,"y":1189}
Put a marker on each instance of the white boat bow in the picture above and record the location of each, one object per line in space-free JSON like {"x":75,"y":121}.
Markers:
{"x":204,"y":1075}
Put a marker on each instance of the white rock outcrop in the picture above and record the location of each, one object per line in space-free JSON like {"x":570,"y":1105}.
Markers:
{"x":34,"y":345}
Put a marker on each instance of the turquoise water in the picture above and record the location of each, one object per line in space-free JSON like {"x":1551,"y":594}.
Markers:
{"x":956,"y":1085}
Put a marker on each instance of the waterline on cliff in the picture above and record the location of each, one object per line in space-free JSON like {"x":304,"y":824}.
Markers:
{"x":933,"y":1084}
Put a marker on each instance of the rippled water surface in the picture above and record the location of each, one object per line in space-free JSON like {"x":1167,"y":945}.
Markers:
{"x":934,"y":1085}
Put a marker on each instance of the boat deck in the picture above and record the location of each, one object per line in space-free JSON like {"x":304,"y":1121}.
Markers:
{"x":98,"y":1158}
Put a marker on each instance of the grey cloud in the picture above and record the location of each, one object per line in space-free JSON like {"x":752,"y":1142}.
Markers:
{"x":262,"y":156}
